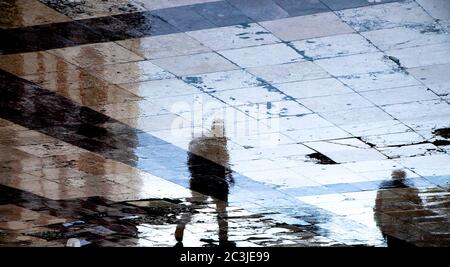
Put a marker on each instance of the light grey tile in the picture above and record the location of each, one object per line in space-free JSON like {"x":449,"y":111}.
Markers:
{"x":353,"y":155}
{"x":409,"y":150}
{"x":335,"y":102}
{"x":356,"y":64}
{"x":380,"y":80}
{"x":313,"y":88}
{"x":274,"y":109}
{"x":160,"y":88}
{"x":399,"y":95}
{"x":262,"y":55}
{"x":195,"y":64}
{"x":417,"y":110}
{"x":309,"y":121}
{"x":130,"y":72}
{"x":357,"y":116}
{"x":439,"y":9}
{"x":92,"y":55}
{"x":317,"y":134}
{"x":238,"y":36}
{"x":290,"y":72}
{"x":422,"y":55}
{"x":387,"y":126}
{"x":384,"y":16}
{"x":435,"y":77}
{"x":305,"y":27}
{"x":248,"y":95}
{"x":402,"y":37}
{"x":219,"y":81}
{"x":161,"y":46}
{"x":395,"y":139}
{"x":334,"y":46}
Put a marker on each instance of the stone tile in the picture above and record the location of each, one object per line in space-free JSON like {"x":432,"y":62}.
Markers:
{"x":92,"y":8}
{"x":238,"y":36}
{"x":31,"y":39}
{"x":184,"y":18}
{"x":329,"y":174}
{"x":308,"y":121}
{"x":435,"y":77}
{"x":301,"y":7}
{"x":436,"y":8}
{"x":334,"y":46}
{"x":218,"y":81}
{"x":305,"y":27}
{"x":154,"y":123}
{"x":357,"y":116}
{"x":133,"y":109}
{"x":426,"y":125}
{"x":356,"y":64}
{"x":355,"y":155}
{"x":423,"y":55}
{"x":248,"y":95}
{"x":95,"y":54}
{"x":408,"y":150}
{"x":314,"y":88}
{"x":145,"y":23}
{"x":81,"y":87}
{"x":78,"y":33}
{"x":130,"y":72}
{"x":416,"y":110}
{"x":45,"y":150}
{"x":177,"y":44}
{"x":160,"y":88}
{"x":317,"y":134}
{"x":433,"y":165}
{"x":160,"y":4}
{"x":31,"y":63}
{"x":281,"y":178}
{"x":22,"y":13}
{"x":380,"y":80}
{"x":335,"y":102}
{"x":445,"y":24}
{"x":195,"y":64}
{"x":290,"y":72}
{"x":385,"y":126}
{"x":221,"y":13}
{"x":274,"y":109}
{"x":403,"y":37}
{"x":252,"y":56}
{"x":399,"y":95}
{"x":109,"y":28}
{"x":397,"y":139}
{"x":18,"y":218}
{"x":375,"y":165}
{"x":260,"y":10}
{"x":191,"y":104}
{"x":385,"y":16}
{"x":345,"y":4}
{"x":93,"y":142}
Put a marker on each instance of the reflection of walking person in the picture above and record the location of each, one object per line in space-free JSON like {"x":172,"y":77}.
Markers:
{"x":395,"y":230}
{"x":210,"y":177}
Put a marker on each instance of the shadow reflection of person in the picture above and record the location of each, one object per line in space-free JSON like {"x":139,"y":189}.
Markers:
{"x":394,"y":230}
{"x":208,"y":162}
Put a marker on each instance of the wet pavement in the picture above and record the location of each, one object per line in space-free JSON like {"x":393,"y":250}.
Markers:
{"x":224,"y":123}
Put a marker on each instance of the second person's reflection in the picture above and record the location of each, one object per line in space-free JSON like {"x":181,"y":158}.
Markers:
{"x":388,"y":200}
{"x":208,"y":162}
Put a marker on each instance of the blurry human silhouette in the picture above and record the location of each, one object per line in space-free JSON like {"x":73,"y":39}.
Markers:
{"x":208,"y":162}
{"x":394,"y":230}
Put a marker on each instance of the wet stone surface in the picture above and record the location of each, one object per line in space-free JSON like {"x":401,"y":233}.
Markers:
{"x":224,"y":123}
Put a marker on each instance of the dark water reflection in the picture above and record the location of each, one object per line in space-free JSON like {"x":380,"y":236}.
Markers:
{"x":209,"y":178}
